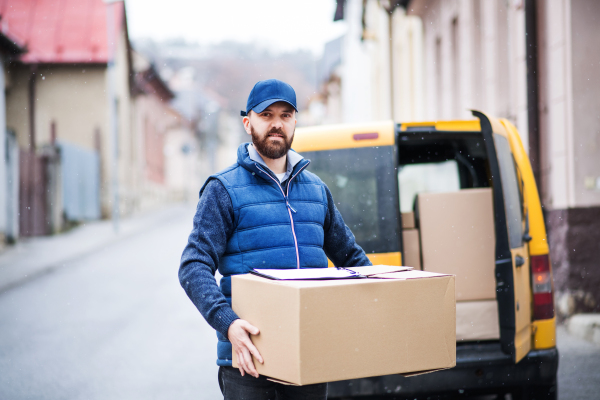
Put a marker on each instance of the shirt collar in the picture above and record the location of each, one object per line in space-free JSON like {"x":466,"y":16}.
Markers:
{"x":293,"y":158}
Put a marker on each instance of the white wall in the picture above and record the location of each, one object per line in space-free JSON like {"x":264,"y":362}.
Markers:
{"x":556,"y":120}
{"x":356,"y":97}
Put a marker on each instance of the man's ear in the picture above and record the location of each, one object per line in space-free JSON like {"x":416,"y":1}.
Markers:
{"x":246,"y":122}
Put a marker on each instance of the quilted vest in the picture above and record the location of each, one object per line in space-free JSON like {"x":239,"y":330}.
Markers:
{"x":274,"y":227}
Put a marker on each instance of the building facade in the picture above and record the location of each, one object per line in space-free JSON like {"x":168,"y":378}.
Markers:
{"x":532,"y":62}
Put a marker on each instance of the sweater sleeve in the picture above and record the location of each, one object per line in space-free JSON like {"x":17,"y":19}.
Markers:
{"x":340,"y":245}
{"x":212,"y":226}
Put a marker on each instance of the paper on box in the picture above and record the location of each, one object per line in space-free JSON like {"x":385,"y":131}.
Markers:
{"x":323,"y":331}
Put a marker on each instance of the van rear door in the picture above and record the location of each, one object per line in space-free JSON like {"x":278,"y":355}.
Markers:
{"x":513,"y":287}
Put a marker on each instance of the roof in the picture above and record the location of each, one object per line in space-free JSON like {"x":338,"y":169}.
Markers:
{"x":60,"y":31}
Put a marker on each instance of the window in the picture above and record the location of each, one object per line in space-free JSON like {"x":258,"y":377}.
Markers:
{"x":512,"y":195}
{"x":363,"y":184}
{"x":430,"y":177}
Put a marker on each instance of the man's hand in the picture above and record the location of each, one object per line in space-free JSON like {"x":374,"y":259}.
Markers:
{"x":238,"y":335}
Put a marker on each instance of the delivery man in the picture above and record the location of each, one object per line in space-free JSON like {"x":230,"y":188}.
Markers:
{"x":264,"y":211}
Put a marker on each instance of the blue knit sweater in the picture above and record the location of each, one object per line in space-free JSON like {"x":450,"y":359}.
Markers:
{"x":214,"y":225}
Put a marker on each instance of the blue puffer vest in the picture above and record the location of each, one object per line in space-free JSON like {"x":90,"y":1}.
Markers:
{"x":274,"y":228}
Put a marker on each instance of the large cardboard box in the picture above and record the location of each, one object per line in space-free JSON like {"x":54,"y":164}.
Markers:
{"x":411,"y":250}
{"x":330,"y":330}
{"x":477,"y":320}
{"x":457,"y":237}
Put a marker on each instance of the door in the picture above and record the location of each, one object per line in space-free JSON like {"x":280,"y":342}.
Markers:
{"x":33,"y":212}
{"x":512,"y":261}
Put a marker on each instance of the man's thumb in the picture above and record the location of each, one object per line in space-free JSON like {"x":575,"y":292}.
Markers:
{"x":250,"y":328}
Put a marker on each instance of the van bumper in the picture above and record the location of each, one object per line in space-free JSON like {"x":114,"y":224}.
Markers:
{"x":480,"y":368}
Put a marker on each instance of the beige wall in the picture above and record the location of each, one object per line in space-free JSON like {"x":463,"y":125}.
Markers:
{"x":182,"y":171}
{"x":17,"y":114}
{"x":67,"y":95}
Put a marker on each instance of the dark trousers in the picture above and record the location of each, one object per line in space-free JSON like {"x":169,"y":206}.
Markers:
{"x":234,"y":386}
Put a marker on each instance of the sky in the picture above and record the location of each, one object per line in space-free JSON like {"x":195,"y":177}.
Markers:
{"x":278,"y":25}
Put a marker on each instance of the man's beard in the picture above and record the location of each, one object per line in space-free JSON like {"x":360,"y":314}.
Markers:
{"x":272,"y":149}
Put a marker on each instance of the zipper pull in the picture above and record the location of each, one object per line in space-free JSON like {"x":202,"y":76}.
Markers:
{"x":288,"y":204}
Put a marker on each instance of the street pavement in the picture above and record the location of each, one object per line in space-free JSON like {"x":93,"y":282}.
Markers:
{"x":113,"y":323}
{"x":94,"y":315}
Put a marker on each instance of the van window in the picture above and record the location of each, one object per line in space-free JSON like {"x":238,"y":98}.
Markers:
{"x":363,"y":184}
{"x":510,"y":187}
{"x":428,"y":177}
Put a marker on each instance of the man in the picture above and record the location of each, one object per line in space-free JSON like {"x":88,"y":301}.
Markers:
{"x":265,"y":211}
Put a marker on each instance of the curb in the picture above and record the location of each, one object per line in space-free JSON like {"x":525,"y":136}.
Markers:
{"x":585,"y":326}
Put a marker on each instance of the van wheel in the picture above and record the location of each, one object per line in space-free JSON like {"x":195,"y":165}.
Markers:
{"x":549,"y":392}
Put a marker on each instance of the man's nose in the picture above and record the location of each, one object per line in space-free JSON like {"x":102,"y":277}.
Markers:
{"x":277,"y":123}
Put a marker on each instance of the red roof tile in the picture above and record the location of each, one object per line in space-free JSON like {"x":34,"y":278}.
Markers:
{"x":60,"y":31}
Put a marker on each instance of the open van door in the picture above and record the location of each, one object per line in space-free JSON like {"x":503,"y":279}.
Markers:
{"x":513,"y":287}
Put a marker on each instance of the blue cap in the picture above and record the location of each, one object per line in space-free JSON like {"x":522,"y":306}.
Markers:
{"x":267,"y":92}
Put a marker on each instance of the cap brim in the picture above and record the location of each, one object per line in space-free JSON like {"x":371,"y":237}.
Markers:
{"x":260,"y":107}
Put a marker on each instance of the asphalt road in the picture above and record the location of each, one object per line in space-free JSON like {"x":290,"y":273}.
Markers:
{"x":115,"y":324}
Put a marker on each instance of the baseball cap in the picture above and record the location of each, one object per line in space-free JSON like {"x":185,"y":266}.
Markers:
{"x":267,"y":92}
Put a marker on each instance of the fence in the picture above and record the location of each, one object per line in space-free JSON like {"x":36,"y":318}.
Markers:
{"x":80,"y":173}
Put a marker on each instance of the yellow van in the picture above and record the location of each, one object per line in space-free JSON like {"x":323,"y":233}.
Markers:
{"x":376,"y":172}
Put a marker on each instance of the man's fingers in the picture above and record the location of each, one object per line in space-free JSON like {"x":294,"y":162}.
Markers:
{"x":254,"y":351}
{"x":240,"y":362}
{"x":249,"y":364}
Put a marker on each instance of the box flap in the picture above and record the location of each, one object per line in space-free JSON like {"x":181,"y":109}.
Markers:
{"x":282,"y":382}
{"x":409,"y":374}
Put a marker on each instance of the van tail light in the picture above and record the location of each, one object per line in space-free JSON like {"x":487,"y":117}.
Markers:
{"x":543,"y":298}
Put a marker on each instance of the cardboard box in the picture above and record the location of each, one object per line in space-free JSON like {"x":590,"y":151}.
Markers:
{"x":458,"y":238}
{"x":411,"y":251}
{"x":330,"y":330}
{"x":477,"y":320}
{"x":408,"y":220}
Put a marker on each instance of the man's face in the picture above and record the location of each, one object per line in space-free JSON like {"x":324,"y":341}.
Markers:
{"x":272,"y":130}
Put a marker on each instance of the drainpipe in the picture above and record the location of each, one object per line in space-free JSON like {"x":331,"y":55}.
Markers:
{"x":532,"y":90}
{"x":391,"y":50}
{"x":31,"y":105}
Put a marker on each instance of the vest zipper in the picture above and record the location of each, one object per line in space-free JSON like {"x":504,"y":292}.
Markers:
{"x":289,"y":207}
